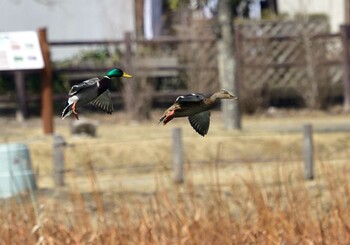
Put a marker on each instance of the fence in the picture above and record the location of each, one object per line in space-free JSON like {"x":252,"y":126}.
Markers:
{"x":185,"y":58}
{"x":293,"y":56}
{"x":178,"y":156}
{"x":300,"y":56}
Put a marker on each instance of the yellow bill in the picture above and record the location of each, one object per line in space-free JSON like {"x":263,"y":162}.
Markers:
{"x":126,"y":75}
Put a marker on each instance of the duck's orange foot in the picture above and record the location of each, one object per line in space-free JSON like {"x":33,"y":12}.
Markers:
{"x":169,"y":117}
{"x":74,"y":110}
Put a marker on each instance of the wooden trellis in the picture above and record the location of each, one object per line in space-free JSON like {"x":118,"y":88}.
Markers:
{"x":301,"y":56}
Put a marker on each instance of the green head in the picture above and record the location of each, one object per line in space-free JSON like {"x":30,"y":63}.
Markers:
{"x":116,"y":72}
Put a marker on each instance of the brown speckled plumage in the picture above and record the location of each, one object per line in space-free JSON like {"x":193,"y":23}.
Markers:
{"x":195,"y":107}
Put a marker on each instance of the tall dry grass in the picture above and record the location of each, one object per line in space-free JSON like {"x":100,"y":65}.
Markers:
{"x":226,"y":199}
{"x":280,"y":208}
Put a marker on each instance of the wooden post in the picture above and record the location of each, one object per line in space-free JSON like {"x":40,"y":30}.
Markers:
{"x":130,"y":89}
{"x":178,"y":158}
{"x":238,"y":60}
{"x":58,"y":160}
{"x":139,"y":17}
{"x":230,"y":109}
{"x":345,"y":35}
{"x":22,"y":108}
{"x":347,"y":11}
{"x":46,"y":84}
{"x":128,"y":48}
{"x":308,"y":152}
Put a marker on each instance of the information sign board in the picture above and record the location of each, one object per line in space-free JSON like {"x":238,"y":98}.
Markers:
{"x":20,"y":51}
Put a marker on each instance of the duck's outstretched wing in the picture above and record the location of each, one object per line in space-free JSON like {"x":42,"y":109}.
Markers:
{"x":104,"y":102}
{"x":196,"y":97}
{"x":200,"y":122}
{"x":88,"y":83}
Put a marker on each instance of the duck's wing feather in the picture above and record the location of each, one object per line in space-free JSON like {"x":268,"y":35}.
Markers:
{"x":104,"y":102}
{"x":200,"y":122}
{"x":188,"y":98}
{"x":88,"y":83}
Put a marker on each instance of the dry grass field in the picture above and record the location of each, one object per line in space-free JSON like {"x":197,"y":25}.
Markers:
{"x":240,"y":187}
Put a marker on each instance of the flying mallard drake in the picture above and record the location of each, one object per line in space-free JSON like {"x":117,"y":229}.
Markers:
{"x":196,"y":107}
{"x":94,"y":91}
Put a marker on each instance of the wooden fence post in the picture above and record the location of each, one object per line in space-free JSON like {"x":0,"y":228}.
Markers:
{"x":130,"y":86}
{"x":347,"y":11}
{"x":308,"y":150}
{"x":178,"y":158}
{"x":58,"y":160}
{"x":22,"y":108}
{"x":128,"y":49}
{"x":46,"y":84}
{"x":345,"y":36}
{"x":227,"y":67}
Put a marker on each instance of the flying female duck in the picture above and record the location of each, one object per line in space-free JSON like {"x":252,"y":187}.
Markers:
{"x":196,"y":107}
{"x":94,"y":91}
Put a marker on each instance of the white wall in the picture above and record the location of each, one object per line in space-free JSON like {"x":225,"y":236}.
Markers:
{"x":69,"y":19}
{"x":333,"y":8}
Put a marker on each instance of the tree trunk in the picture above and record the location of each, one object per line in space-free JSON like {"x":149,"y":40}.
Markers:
{"x":137,"y":92}
{"x":230,"y":109}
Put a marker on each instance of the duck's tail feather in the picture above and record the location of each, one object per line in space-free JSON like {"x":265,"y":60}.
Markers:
{"x":161,"y":119}
{"x":67,"y":111}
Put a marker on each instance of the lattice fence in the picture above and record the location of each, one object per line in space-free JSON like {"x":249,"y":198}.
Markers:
{"x":201,"y":57}
{"x":195,"y":50}
{"x":299,"y":56}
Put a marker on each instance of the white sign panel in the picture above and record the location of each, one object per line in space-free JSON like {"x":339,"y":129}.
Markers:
{"x":20,"y":51}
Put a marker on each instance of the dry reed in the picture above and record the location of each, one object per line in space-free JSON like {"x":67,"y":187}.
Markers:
{"x":250,"y":210}
{"x":255,"y":203}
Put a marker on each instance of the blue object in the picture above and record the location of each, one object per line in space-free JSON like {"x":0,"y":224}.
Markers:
{"x":16,"y":175}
